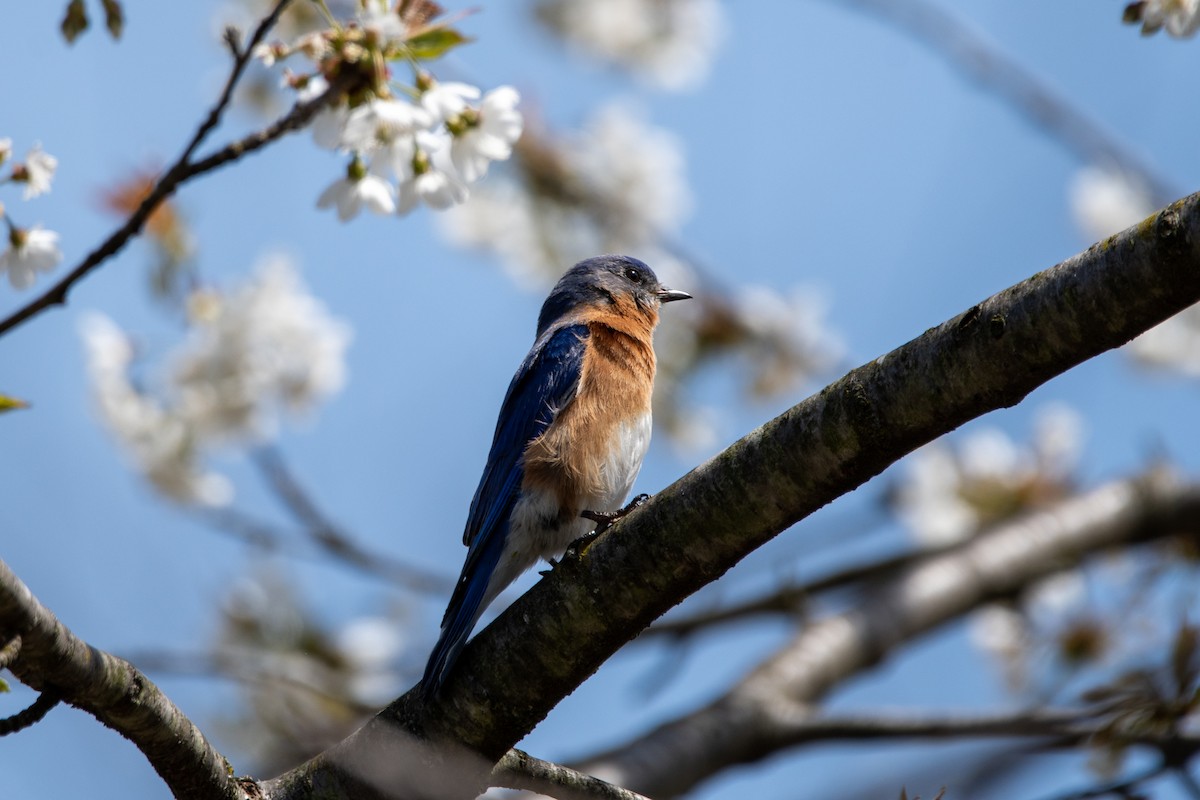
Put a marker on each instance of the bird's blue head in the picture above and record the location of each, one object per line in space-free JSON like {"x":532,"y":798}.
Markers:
{"x":606,"y":280}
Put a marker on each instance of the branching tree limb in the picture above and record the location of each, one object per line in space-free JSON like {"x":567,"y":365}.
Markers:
{"x":989,"y":357}
{"x":519,"y":770}
{"x":183,"y":170}
{"x":774,"y":707}
{"x":561,"y":631}
{"x":1063,"y":727}
{"x":53,"y":660}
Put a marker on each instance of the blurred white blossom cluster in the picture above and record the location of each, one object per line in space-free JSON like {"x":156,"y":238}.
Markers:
{"x":267,"y":347}
{"x":1053,"y":616}
{"x":1105,"y":201}
{"x":1172,"y":345}
{"x":1180,"y":18}
{"x":615,"y":185}
{"x":947,"y":494}
{"x":30,"y":249}
{"x":425,"y":142}
{"x":668,"y":44}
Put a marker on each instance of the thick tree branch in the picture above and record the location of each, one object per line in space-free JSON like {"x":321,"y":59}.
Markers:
{"x":774,"y":707}
{"x":53,"y":660}
{"x":989,"y":357}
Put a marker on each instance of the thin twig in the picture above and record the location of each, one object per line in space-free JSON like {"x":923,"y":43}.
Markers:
{"x":787,"y":599}
{"x":183,"y":170}
{"x":1065,"y":727}
{"x":519,"y":770}
{"x":240,"y":59}
{"x":247,"y":671}
{"x":1120,"y":788}
{"x":253,"y":532}
{"x":950,"y":37}
{"x":244,"y":528}
{"x":334,"y":541}
{"x":32,"y":715}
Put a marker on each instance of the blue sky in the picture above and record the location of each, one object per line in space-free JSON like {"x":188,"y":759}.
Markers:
{"x":827,"y":149}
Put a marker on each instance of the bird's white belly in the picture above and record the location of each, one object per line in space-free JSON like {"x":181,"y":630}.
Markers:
{"x":538,"y":526}
{"x":621,"y":468}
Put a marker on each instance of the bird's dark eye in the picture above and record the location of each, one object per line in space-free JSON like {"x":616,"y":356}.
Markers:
{"x":634,"y":274}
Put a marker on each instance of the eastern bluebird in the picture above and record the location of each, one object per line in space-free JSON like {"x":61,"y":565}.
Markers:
{"x":572,"y":432}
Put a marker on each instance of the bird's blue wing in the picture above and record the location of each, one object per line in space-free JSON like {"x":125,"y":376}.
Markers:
{"x":544,"y":384}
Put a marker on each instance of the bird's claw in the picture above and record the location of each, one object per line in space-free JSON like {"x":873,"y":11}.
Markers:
{"x":575,"y":549}
{"x":605,"y":519}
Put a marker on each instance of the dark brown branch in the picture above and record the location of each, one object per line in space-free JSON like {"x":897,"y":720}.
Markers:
{"x":56,"y":662}
{"x":519,"y":770}
{"x":241,"y":57}
{"x":949,"y":37}
{"x":1066,"y":728}
{"x":790,"y":600}
{"x":179,"y":173}
{"x":32,"y":715}
{"x":690,"y":533}
{"x":775,"y":706}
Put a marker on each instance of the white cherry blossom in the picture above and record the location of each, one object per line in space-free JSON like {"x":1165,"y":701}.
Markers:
{"x":447,"y":100}
{"x":1180,"y":18}
{"x":357,"y":190}
{"x":433,"y":180}
{"x":268,"y":343}
{"x":30,"y":251}
{"x":1105,"y":201}
{"x":36,"y":172}
{"x":157,"y":440}
{"x":383,"y":22}
{"x":948,"y":494}
{"x":380,"y":123}
{"x":1173,"y":344}
{"x":488,"y":133}
{"x":669,"y":44}
{"x":266,"y":347}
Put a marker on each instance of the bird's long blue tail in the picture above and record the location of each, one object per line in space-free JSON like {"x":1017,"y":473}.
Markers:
{"x":466,"y":605}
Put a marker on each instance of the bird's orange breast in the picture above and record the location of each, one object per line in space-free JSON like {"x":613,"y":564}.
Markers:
{"x":579,"y":456}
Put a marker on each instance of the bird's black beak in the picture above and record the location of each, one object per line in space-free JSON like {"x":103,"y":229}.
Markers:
{"x":666,"y":295}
